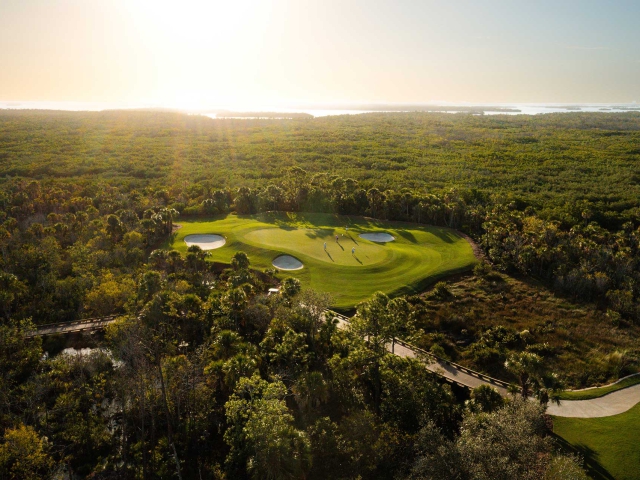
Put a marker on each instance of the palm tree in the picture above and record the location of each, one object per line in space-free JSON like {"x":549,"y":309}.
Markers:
{"x":375,"y":198}
{"x":240,"y":261}
{"x":236,"y":300}
{"x":114,"y":228}
{"x":527,"y":366}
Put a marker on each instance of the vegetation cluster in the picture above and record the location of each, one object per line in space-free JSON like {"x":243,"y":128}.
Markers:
{"x":204,"y":376}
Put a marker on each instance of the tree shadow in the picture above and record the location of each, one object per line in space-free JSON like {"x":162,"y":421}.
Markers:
{"x":408,"y":235}
{"x":445,"y":234}
{"x":318,"y":232}
{"x":591,"y":463}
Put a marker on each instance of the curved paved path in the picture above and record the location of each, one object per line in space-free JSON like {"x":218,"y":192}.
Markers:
{"x":610,"y":404}
{"x":446,"y":370}
{"x":442,"y":368}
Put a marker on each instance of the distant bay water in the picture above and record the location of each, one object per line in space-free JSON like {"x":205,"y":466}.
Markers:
{"x":273,"y":111}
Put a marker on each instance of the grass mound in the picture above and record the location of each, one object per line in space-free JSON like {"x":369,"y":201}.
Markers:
{"x":350,"y":268}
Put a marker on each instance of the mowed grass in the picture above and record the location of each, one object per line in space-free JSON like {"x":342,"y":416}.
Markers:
{"x":609,"y":445}
{"x":600,"y":391}
{"x":418,"y":256}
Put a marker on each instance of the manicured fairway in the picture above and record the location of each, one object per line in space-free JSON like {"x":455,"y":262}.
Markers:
{"x":417,"y":257}
{"x":610,"y":445}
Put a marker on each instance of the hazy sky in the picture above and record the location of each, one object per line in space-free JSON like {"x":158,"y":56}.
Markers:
{"x":244,"y":52}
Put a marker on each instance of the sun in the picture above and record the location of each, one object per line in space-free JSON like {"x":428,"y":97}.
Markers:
{"x":202,"y":52}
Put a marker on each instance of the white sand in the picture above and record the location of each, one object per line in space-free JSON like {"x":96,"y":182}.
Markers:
{"x":287,"y":262}
{"x":205,"y":242}
{"x":378,"y":237}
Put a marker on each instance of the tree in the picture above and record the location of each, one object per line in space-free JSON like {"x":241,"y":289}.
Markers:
{"x":378,"y":326}
{"x":290,"y":287}
{"x":376,"y":198}
{"x":506,"y":444}
{"x":235,"y":301}
{"x":527,"y":366}
{"x":240,"y":261}
{"x":114,"y":228}
{"x":485,"y":399}
{"x":11,"y":289}
{"x":261,"y":435}
{"x":245,"y":201}
{"x":24,"y":455}
{"x":110,"y":296}
{"x":168,"y":215}
{"x":272,"y":196}
{"x":19,"y":358}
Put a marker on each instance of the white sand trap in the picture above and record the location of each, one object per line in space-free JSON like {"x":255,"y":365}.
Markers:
{"x":287,"y":262}
{"x":205,"y":242}
{"x":378,"y":237}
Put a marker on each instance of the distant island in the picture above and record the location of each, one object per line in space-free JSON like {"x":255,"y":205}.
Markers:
{"x":269,"y":115}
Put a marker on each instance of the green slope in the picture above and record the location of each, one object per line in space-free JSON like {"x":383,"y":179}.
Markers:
{"x":609,"y":445}
{"x":418,"y":256}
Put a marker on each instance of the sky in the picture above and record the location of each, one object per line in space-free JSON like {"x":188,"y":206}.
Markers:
{"x":199,"y":53}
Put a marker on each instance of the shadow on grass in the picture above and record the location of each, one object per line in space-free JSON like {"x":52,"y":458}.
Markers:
{"x":318,"y":232}
{"x":357,"y":259}
{"x":590,"y":457}
{"x":329,"y":255}
{"x":407,"y":235}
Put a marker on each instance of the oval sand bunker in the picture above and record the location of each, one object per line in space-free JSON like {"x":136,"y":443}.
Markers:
{"x":205,"y":242}
{"x":378,"y":237}
{"x":287,"y":262}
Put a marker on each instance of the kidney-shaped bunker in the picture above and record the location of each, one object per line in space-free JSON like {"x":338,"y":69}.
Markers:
{"x":205,"y":242}
{"x":287,"y":262}
{"x":380,"y":237}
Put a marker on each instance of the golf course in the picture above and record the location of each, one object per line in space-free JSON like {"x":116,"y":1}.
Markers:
{"x":332,"y":253}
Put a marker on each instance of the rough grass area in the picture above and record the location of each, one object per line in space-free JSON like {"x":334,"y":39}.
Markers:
{"x":418,"y":256}
{"x":609,"y":445}
{"x":484,"y":318}
{"x":600,"y":391}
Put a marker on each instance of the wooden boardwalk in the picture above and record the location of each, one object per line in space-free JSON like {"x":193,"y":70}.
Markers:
{"x":64,"y":328}
{"x":611,"y":404}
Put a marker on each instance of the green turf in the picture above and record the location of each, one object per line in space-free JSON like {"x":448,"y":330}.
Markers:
{"x":418,"y":256}
{"x":599,"y":392}
{"x":609,"y":445}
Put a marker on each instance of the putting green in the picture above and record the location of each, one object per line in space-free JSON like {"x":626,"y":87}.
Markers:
{"x":418,"y":255}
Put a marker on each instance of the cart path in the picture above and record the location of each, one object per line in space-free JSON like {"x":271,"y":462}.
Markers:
{"x":451,"y":372}
{"x":610,"y":404}
{"x":613,"y":403}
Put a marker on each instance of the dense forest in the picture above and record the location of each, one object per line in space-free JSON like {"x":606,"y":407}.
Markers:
{"x":205,"y":376}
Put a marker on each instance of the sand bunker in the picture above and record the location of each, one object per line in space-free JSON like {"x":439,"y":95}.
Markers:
{"x":287,"y":262}
{"x":378,"y":237}
{"x":205,"y":242}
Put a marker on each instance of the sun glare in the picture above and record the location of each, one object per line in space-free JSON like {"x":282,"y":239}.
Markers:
{"x":203,"y":52}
